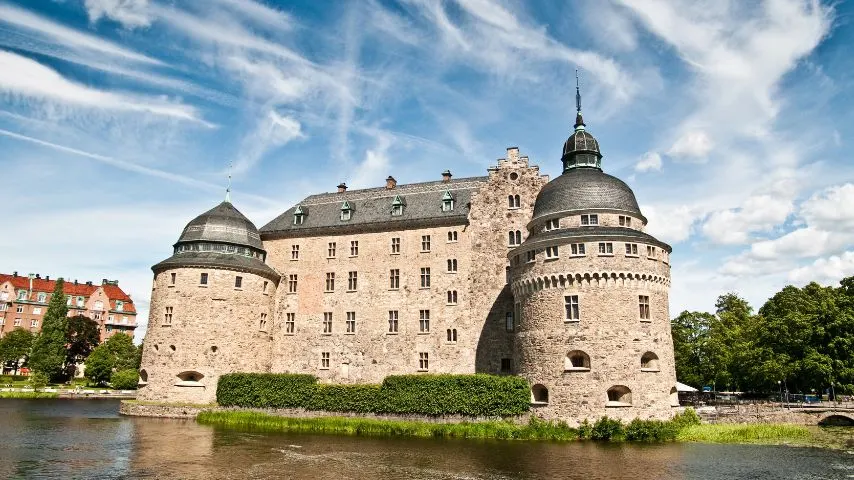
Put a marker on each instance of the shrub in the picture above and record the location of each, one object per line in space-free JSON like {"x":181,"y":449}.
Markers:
{"x":13,"y":378}
{"x":345,"y":398}
{"x":650,"y":431}
{"x":265,"y":390}
{"x":126,"y":379}
{"x":585,"y":430}
{"x":685,"y":419}
{"x":607,"y":429}
{"x":38,"y":380}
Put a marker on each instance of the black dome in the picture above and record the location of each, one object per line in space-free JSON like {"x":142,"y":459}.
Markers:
{"x":585,"y":189}
{"x":222,"y":224}
{"x":581,"y":141}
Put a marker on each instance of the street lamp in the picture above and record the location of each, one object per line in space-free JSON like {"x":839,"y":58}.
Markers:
{"x":780,"y":387}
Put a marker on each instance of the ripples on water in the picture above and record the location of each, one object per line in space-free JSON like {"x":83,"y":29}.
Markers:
{"x":87,"y":439}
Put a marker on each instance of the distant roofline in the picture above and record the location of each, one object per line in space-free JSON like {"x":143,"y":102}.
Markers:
{"x":331,"y":197}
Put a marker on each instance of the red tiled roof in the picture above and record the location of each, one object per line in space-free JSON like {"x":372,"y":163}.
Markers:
{"x":113,"y":292}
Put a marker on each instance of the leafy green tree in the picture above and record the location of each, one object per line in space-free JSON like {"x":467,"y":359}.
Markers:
{"x":127,"y":379}
{"x":38,"y":381}
{"x":15,"y":347}
{"x":117,"y":353}
{"x":48,"y":352}
{"x":81,"y":338}
{"x":690,"y":345}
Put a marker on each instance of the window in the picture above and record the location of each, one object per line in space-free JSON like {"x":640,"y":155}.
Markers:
{"x":395,"y":245}
{"x":643,"y":305}
{"x":631,"y":249}
{"x":572,"y":311}
{"x":606,"y":248}
{"x":447,"y":202}
{"x":625,"y":221}
{"x":650,"y":252}
{"x":452,"y":335}
{"x":37,"y":310}
{"x":553,"y":224}
{"x":324,"y":360}
{"x":172,"y":278}
{"x":592,"y":219}
{"x":330,"y":250}
{"x":351,"y":322}
{"x":294,"y":252}
{"x":264,"y":288}
{"x":110,"y":317}
{"x":551,"y":252}
{"x":514,"y":237}
{"x":578,"y":249}
{"x":354,"y":248}
{"x":80,"y":300}
{"x":423,"y":361}
{"x":530,"y":256}
{"x":539,"y":394}
{"x":17,"y":322}
{"x":34,"y":324}
{"x":513,"y":201}
{"x":298,"y":218}
{"x":238,"y":282}
{"x":327,"y":322}
{"x":509,"y":324}
{"x":2,"y":308}
{"x":424,"y":321}
{"x":352,"y":281}
{"x":68,"y":300}
{"x":330,"y":281}
{"x":99,"y":305}
{"x":576,"y":360}
{"x":392,"y":321}
{"x":4,"y":296}
{"x":507,"y":365}
{"x":2,"y":320}
{"x":394,"y":279}
{"x":425,"y":243}
{"x":452,"y":236}
{"x":262,"y":324}
{"x":125,"y":320}
{"x":619,"y":396}
{"x":19,"y":309}
{"x":97,"y":315}
{"x":346,"y":212}
{"x":290,"y":323}
{"x":452,"y":297}
{"x":120,"y":306}
{"x":42,"y":297}
{"x":22,"y":294}
{"x":292,"y":283}
{"x":203,"y":280}
{"x":425,"y":277}
{"x":397,"y":206}
{"x":452,"y":265}
{"x":649,"y":362}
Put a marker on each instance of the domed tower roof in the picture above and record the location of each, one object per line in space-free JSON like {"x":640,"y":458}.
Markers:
{"x":225,"y":224}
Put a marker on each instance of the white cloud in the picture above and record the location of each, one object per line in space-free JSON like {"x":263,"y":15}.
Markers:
{"x":758,"y":213}
{"x":130,"y":13}
{"x":375,"y":166}
{"x":694,"y":145}
{"x":671,"y":223}
{"x":650,"y":161}
{"x":259,"y":14}
{"x":271,"y":132}
{"x":831,"y":209}
{"x":825,"y":270}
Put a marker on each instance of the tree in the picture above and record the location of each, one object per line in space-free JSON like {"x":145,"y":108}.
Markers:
{"x":48,"y":352}
{"x":117,"y":353}
{"x":690,"y":346}
{"x":127,"y":379}
{"x":81,"y":338}
{"x":15,"y":346}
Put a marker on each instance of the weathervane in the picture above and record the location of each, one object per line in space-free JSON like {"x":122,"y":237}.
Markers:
{"x":577,"y":93}
{"x":228,"y":188}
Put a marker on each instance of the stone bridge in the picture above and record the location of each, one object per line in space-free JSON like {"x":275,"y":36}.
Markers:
{"x":777,"y":413}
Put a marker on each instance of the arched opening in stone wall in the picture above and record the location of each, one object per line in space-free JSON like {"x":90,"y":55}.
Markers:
{"x":576,"y":360}
{"x":143,"y":377}
{"x":649,"y":362}
{"x":674,"y":397}
{"x":619,"y":396}
{"x":189,"y":378}
{"x":837,"y":421}
{"x":539,"y":394}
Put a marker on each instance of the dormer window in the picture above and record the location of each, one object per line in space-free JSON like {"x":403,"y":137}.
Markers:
{"x":120,"y":306}
{"x":553,"y":224}
{"x":397,"y":206}
{"x":592,"y":219}
{"x":22,"y":294}
{"x":42,"y":297}
{"x":447,"y":202}
{"x":346,"y":212}
{"x":299,"y":215}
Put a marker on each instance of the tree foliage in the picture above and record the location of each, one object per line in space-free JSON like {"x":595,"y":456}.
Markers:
{"x":127,"y":379}
{"x":48,"y":351}
{"x":802,"y":338}
{"x":81,"y":338}
{"x":116,"y":353}
{"x":15,"y":348}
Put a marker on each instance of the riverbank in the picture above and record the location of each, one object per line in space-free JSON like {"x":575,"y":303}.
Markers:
{"x":27,"y":393}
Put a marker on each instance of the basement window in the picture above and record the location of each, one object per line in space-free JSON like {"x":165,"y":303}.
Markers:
{"x":539,"y":394}
{"x":619,"y":396}
{"x":189,"y":378}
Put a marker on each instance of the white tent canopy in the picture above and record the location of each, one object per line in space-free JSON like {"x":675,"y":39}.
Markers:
{"x":681,"y":387}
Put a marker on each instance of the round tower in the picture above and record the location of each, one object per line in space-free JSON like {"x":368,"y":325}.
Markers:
{"x":591,"y":292}
{"x":211,"y":309}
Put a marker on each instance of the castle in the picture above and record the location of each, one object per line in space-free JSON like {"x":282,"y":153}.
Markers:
{"x":509,"y":273}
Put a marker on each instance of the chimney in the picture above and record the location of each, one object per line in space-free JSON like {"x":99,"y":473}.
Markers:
{"x":47,"y":278}
{"x":446,"y":176}
{"x":75,"y":281}
{"x":342,"y":187}
{"x":38,"y":276}
{"x":15,"y":273}
{"x":103,"y":281}
{"x":89,"y":284}
{"x":390,"y":183}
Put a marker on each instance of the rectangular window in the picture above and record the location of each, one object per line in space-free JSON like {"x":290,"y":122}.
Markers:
{"x":650,"y":252}
{"x":508,"y":322}
{"x":551,"y":252}
{"x":452,"y":297}
{"x":447,"y":205}
{"x":19,"y":309}
{"x":392,"y":321}
{"x":345,"y":215}
{"x":424,"y":321}
{"x":591,"y":219}
{"x":34,"y":323}
{"x":292,"y":283}
{"x":290,"y":323}
{"x":394,"y":279}
{"x":171,"y":282}
{"x":425,"y":277}
{"x":2,"y":307}
{"x":262,"y":324}
{"x":530,"y":256}
{"x":351,"y":322}
{"x":354,"y":248}
{"x":452,"y":335}
{"x":264,"y":288}
{"x":553,"y":224}
{"x":395,"y":245}
{"x":120,"y":306}
{"x":17,"y":322}
{"x":294,"y":252}
{"x":643,"y":304}
{"x":631,"y":249}
{"x":425,"y":243}
{"x":352,"y":281}
{"x":330,"y":281}
{"x":298,"y":219}
{"x":423,"y":361}
{"x":203,"y":280}
{"x":97,"y":315}
{"x":396,"y":210}
{"x":238,"y":282}
{"x":578,"y":249}
{"x":606,"y":248}
{"x":452,"y":265}
{"x":572,"y":312}
{"x":625,"y":221}
{"x":330,"y":250}
{"x":327,"y":322}
{"x":324,"y":360}
{"x":452,"y":236}
{"x":507,"y":365}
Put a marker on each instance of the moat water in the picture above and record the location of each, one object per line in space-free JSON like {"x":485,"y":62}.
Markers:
{"x":88,"y":439}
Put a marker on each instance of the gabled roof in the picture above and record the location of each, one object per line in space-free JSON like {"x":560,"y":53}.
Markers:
{"x":40,"y":285}
{"x":371,"y":209}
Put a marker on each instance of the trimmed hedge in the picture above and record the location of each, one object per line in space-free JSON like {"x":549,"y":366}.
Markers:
{"x":13,"y":378}
{"x":472,"y":395}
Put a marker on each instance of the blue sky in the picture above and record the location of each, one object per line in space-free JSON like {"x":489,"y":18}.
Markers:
{"x":732,"y":121}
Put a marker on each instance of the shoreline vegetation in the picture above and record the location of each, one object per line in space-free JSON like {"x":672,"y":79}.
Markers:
{"x":29,"y":395}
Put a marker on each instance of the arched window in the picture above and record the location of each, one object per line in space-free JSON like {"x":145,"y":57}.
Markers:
{"x":513,"y":201}
{"x":452,"y":297}
{"x":649,"y":362}
{"x":619,"y":396}
{"x":674,"y":397}
{"x":143,"y":377}
{"x":189,"y":378}
{"x":452,"y":335}
{"x":576,"y":360}
{"x":539,"y":394}
{"x":514,"y":237}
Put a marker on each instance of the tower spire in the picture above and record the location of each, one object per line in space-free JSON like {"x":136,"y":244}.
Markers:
{"x":579,"y":121}
{"x":228,"y":188}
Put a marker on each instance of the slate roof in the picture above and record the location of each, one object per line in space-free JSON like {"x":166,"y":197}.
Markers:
{"x":589,"y":234}
{"x":218,"y":259}
{"x":580,"y":141}
{"x":371,"y":209}
{"x":585,"y":189}
{"x":225,"y":224}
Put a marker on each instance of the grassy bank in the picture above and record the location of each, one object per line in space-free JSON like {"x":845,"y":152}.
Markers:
{"x":767,"y":434}
{"x":29,"y":395}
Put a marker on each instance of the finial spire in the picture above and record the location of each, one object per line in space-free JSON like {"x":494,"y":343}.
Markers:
{"x":228,"y":188}
{"x":579,"y":122}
